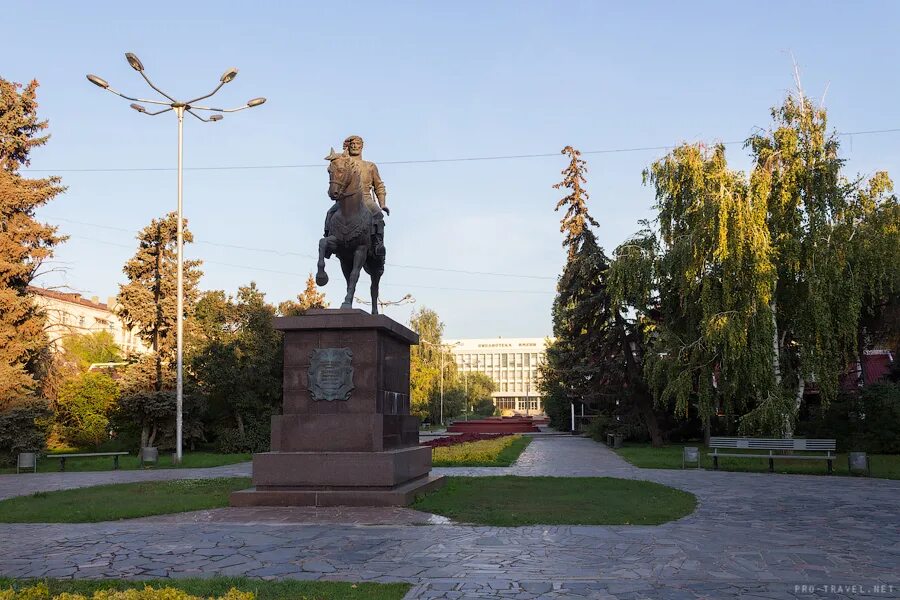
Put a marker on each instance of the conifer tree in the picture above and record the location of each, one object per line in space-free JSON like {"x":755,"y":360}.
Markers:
{"x":310,"y":298}
{"x":149,"y":301}
{"x":576,"y":218}
{"x":24,"y":245}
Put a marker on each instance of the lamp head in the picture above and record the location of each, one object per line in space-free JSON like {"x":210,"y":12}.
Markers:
{"x":256,"y":102}
{"x":215,"y":118}
{"x":134,"y":61}
{"x":229,"y":75}
{"x":138,"y":108}
{"x":98,"y":81}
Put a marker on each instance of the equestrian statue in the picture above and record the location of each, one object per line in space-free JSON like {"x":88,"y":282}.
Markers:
{"x":354,"y":226}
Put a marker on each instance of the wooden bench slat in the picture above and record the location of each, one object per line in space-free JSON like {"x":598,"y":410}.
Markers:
{"x":87,"y":454}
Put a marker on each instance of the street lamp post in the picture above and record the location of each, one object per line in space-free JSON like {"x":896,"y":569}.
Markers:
{"x":441,"y":349}
{"x":179,"y":108}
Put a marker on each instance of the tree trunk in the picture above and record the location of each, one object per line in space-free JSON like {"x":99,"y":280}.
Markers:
{"x":145,"y":436}
{"x":861,"y":355}
{"x":642,"y":397}
{"x":776,"y":346}
{"x":152,"y":437}
{"x":707,"y":430}
{"x":240,"y":423}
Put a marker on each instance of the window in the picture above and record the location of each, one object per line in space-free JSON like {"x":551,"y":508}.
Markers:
{"x":518,"y":360}
{"x":81,"y":321}
{"x":503,"y":387}
{"x":527,"y":360}
{"x":503,"y":360}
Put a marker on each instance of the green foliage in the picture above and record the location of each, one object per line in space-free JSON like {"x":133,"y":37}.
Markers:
{"x":149,"y":301}
{"x":576,"y":219}
{"x":210,"y":586}
{"x":150,"y":416}
{"x":310,"y":298}
{"x":426,"y":361}
{"x":42,"y":592}
{"x":237,"y":364}
{"x":24,"y":243}
{"x":484,"y":408}
{"x":23,"y":428}
{"x":84,"y":405}
{"x":90,"y":348}
{"x":867,"y":420}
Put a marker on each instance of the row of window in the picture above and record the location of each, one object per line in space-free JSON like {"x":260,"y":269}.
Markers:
{"x":517,"y":403}
{"x":490,"y":361}
{"x":518,"y":386}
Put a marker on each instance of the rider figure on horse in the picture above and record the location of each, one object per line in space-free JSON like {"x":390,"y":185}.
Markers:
{"x":371,"y":182}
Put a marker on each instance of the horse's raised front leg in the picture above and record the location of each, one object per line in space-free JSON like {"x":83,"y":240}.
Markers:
{"x":374,"y":289}
{"x":359,"y":259}
{"x":327,"y":246}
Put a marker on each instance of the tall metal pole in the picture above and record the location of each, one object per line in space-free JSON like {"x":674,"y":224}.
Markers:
{"x":179,"y":107}
{"x":441,"y":348}
{"x":179,"y":382}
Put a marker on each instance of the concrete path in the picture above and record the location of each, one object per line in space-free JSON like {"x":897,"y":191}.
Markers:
{"x":753,"y":536}
{"x":25,"y":484}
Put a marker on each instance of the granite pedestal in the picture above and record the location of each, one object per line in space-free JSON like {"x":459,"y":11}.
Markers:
{"x":359,"y":451}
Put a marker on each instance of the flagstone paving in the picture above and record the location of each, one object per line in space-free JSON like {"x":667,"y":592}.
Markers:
{"x":753,"y":535}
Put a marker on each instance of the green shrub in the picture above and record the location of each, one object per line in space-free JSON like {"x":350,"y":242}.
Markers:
{"x":867,"y":420}
{"x":484,"y":408}
{"x":85,"y":403}
{"x":23,"y":428}
{"x":42,"y":592}
{"x":257,"y":437}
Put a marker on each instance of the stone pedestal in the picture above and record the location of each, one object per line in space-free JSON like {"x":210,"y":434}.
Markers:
{"x":361,"y":449}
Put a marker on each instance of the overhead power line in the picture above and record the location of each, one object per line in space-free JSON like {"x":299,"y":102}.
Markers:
{"x":411,"y":161}
{"x":312,"y":256}
{"x":302,"y":275}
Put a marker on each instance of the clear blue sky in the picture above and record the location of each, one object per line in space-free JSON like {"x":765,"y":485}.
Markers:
{"x":422,"y":80}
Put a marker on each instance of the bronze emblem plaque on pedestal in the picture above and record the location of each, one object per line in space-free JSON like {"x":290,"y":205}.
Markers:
{"x":331,"y":374}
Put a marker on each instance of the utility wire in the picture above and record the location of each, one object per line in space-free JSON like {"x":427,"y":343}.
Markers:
{"x":293,"y":273}
{"x":311,"y":256}
{"x":412,"y":162}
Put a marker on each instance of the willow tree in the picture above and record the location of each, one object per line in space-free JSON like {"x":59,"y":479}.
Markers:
{"x":715,"y":280}
{"x":812,"y":222}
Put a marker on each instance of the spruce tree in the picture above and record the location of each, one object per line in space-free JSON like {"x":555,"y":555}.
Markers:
{"x":24,"y":242}
{"x":149,"y":301}
{"x":310,"y":298}
{"x":576,"y":218}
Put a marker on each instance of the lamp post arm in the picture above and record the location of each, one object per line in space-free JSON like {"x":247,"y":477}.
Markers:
{"x":121,"y":95}
{"x":198,"y":116}
{"x":222,"y":110}
{"x":218,"y":87}
{"x":150,"y":83}
{"x":159,"y":112}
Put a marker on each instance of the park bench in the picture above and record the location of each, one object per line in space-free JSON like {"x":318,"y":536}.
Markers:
{"x":773,"y":445}
{"x":62,"y":457}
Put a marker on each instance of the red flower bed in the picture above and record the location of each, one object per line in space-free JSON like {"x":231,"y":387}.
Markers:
{"x":452,"y":440}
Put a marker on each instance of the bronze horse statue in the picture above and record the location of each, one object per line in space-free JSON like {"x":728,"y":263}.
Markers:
{"x":348,"y":232}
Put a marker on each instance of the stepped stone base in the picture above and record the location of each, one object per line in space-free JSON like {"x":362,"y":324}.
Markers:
{"x":400,"y":495}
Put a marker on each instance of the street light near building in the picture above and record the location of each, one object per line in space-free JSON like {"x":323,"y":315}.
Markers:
{"x":179,"y":107}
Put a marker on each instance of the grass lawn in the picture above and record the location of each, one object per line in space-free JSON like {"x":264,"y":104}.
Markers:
{"x":217,"y":586}
{"x":120,"y":501}
{"x":669,"y":457}
{"x":511,"y":501}
{"x":189,"y":460}
{"x":499,"y":452}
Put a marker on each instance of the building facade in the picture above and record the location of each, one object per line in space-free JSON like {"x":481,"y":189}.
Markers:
{"x":513,"y":365}
{"x":69,"y":314}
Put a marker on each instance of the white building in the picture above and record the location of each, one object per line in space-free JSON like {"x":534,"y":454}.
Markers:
{"x":513,"y":365}
{"x":69,"y":314}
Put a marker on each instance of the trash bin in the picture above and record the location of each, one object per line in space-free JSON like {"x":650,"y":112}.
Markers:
{"x":690,"y":454}
{"x":617,"y":440}
{"x":149,"y":455}
{"x":27,"y":460}
{"x":858,"y":463}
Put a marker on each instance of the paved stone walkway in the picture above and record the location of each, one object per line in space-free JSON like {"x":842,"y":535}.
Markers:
{"x":25,"y":484}
{"x":752,"y":536}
